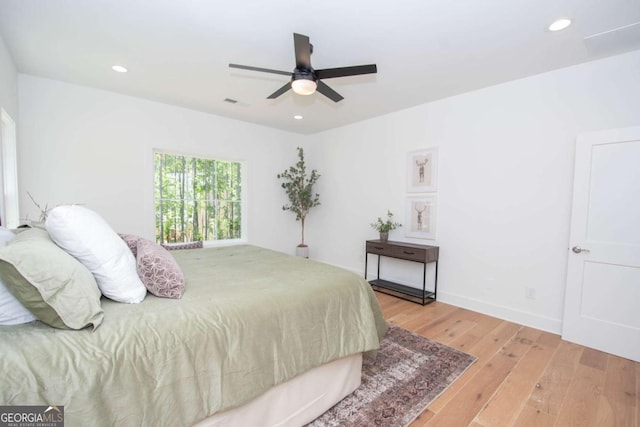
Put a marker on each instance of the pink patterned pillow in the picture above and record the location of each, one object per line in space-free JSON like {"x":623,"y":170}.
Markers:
{"x":158,"y":270}
{"x":131,"y":241}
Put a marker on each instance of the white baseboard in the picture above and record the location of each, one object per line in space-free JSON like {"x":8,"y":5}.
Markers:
{"x":501,"y":312}
{"x":517,"y":316}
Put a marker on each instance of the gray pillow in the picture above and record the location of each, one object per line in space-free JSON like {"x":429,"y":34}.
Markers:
{"x":49,"y":282}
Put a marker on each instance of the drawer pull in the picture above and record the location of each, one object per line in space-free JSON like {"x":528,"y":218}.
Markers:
{"x":379,"y":248}
{"x":409,"y":253}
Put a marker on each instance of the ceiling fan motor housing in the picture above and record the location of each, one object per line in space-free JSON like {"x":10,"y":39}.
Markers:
{"x":302,"y":74}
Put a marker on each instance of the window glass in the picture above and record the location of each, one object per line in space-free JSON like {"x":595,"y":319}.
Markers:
{"x":197,"y":199}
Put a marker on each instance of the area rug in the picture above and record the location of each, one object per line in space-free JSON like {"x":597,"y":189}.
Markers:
{"x":407,"y":374}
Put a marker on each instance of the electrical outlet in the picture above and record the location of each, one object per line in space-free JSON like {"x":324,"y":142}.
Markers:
{"x":530,"y":293}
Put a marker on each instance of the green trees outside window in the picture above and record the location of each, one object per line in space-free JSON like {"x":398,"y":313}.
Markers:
{"x":197,"y":199}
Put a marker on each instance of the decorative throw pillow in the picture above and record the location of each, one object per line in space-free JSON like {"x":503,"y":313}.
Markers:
{"x":12,"y":312}
{"x":85,"y":235}
{"x":50,"y":283}
{"x":132,"y":241}
{"x":160,"y":273}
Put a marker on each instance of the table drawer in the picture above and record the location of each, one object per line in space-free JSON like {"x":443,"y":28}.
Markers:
{"x":414,"y":254}
{"x":379,"y":248}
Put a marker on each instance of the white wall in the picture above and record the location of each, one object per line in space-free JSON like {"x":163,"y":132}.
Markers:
{"x":81,"y":145}
{"x":8,"y":82}
{"x":506,"y":170}
{"x":505,"y":181}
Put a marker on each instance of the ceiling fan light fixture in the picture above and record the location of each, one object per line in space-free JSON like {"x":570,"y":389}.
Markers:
{"x":304,"y":86}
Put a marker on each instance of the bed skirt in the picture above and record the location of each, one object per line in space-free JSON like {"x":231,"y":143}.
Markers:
{"x":297,"y":401}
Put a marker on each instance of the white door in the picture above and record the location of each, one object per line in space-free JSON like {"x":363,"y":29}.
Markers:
{"x":602,"y":299}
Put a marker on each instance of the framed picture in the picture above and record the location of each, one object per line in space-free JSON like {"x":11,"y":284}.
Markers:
{"x":421,"y":217}
{"x":422,"y":171}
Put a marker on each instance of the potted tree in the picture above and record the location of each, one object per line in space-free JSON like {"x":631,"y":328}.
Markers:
{"x":385,"y":226}
{"x":299,"y":188}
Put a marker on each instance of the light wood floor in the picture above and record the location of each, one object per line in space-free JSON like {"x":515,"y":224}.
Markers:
{"x":523,"y":376}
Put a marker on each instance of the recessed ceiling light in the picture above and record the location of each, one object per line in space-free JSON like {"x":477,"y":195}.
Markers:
{"x":559,"y":24}
{"x":297,"y":117}
{"x":119,"y":69}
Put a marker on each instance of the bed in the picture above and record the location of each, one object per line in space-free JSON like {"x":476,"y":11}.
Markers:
{"x":252,"y":322}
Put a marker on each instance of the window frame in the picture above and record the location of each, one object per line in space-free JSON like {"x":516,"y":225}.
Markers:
{"x":9,"y":203}
{"x":243,"y":239}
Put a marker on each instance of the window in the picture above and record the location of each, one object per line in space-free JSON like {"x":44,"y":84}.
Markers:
{"x":197,"y":199}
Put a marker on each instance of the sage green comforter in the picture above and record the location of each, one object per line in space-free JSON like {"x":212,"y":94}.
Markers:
{"x":250,"y":318}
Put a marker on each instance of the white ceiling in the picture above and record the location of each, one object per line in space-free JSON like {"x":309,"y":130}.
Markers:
{"x":178,"y":51}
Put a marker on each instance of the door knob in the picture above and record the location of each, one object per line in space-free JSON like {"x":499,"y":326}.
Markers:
{"x":577,"y":250}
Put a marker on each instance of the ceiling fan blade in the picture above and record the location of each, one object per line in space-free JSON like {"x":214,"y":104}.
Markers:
{"x":280,"y":91}
{"x":303,"y":51}
{"x":328,"y":92}
{"x":329,"y":73}
{"x":263,"y":70}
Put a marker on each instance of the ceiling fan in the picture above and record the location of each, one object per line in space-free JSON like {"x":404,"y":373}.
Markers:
{"x":304,"y":79}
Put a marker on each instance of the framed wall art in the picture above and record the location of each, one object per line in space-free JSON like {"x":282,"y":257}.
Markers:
{"x":422,"y":170}
{"x":421,"y":217}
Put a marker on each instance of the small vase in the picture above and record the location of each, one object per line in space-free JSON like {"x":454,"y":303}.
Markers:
{"x":384,"y":237}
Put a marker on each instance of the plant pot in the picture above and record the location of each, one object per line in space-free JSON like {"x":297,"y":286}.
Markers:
{"x":302,"y":250}
{"x":384,"y":237}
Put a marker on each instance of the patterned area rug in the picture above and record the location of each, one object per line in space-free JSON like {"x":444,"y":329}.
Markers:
{"x":406,"y":375}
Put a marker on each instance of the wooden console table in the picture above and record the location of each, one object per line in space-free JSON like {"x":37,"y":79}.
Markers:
{"x":409,"y":252}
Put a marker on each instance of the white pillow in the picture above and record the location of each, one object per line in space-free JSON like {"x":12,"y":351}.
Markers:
{"x":5,"y":236}
{"x":12,"y":312}
{"x":85,"y":235}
